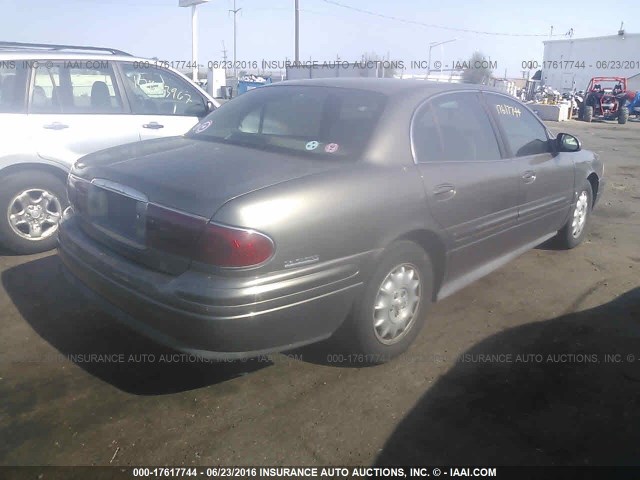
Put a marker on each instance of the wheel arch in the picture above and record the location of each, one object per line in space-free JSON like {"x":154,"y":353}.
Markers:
{"x":594,"y":180}
{"x":54,"y":170}
{"x":433,"y":245}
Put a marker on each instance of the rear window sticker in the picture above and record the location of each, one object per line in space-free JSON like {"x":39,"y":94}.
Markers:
{"x":331,"y":148}
{"x":312,"y":145}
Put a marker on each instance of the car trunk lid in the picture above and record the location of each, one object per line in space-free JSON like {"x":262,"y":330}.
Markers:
{"x":150,"y":201}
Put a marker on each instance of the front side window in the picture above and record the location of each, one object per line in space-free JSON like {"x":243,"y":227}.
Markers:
{"x":454,"y":127}
{"x":13,"y":82}
{"x":318,"y":121}
{"x":156,"y":91}
{"x":524,"y":133}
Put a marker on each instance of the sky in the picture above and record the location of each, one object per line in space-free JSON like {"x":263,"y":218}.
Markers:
{"x":265,"y":29}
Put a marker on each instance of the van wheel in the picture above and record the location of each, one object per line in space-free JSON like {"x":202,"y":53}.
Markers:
{"x":31,"y":204}
{"x":391,"y":311}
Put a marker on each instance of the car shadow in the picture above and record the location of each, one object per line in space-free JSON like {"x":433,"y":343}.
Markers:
{"x":5,"y":252}
{"x":59,"y":313}
{"x":546,"y":409}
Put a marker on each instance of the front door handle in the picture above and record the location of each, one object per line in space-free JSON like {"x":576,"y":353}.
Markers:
{"x":529,"y":176}
{"x":444,"y":191}
{"x":153,"y":125}
{"x":55,"y":126}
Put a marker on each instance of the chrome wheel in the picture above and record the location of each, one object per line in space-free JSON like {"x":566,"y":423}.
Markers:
{"x":34,"y":214}
{"x":580,"y":214}
{"x":397,"y":303}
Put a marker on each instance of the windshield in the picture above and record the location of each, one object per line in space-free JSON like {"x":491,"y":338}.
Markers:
{"x":314,"y":121}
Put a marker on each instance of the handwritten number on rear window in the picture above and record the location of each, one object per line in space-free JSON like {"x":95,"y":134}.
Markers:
{"x":508,"y":110}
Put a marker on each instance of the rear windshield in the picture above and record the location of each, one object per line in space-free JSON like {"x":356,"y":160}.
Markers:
{"x":314,"y":121}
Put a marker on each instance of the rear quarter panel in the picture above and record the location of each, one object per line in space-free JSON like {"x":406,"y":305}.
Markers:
{"x":331,"y":215}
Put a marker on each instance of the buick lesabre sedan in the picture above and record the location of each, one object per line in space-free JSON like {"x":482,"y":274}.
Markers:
{"x":320,"y":208}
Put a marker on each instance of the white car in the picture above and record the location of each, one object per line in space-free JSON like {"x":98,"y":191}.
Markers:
{"x":61,"y":102}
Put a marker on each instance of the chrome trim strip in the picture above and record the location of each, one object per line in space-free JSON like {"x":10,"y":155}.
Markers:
{"x":121,"y":189}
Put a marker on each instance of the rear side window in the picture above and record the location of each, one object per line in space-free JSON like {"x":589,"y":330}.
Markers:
{"x":45,"y":95}
{"x":13,"y":85}
{"x":73,"y":89}
{"x":94,"y":91}
{"x":524,"y":133}
{"x":454,"y":128}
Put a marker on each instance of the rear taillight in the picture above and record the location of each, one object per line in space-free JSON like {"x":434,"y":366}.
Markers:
{"x":233,"y":247}
{"x":171,"y":231}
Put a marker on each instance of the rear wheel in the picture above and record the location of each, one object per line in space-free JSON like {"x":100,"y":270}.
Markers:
{"x":391,"y":311}
{"x":31,"y":204}
{"x":623,"y":115}
{"x":587,"y":116}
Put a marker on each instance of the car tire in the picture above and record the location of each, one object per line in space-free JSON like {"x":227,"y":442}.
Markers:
{"x":587,"y":116}
{"x":574,"y":231}
{"x":31,"y":202}
{"x":623,"y":115}
{"x":366,"y":342}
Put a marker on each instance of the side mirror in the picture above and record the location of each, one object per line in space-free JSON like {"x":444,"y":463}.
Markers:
{"x":567,"y":143}
{"x":200,"y":110}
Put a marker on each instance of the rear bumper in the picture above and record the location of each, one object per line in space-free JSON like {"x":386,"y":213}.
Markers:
{"x":216,"y":317}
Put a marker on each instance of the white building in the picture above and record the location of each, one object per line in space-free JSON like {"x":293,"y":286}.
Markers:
{"x":571,"y":63}
{"x":633,"y":83}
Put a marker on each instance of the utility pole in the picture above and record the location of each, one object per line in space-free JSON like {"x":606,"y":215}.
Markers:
{"x":297,"y":33}
{"x":194,"y":32}
{"x":235,"y":13}
{"x":224,"y":58}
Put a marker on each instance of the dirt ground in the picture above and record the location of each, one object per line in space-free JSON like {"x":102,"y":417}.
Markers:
{"x":550,"y":373}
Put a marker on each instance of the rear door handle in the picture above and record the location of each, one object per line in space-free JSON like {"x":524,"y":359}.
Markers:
{"x":153,"y":125}
{"x":529,"y":176}
{"x":444,"y":191}
{"x":55,"y":126}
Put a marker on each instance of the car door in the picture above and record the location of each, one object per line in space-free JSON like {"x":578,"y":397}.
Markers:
{"x":13,"y":110}
{"x":546,"y":176}
{"x":76,"y":108}
{"x":471,"y":188}
{"x":164,"y":103}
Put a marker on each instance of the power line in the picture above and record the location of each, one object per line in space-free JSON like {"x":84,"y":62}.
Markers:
{"x":428,"y":25}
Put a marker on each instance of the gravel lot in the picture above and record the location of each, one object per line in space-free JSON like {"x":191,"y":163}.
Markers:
{"x":431,"y":406}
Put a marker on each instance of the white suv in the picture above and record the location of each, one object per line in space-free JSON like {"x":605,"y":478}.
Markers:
{"x":60,"y":102}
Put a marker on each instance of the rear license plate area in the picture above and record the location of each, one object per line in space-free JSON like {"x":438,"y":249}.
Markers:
{"x":117,"y":215}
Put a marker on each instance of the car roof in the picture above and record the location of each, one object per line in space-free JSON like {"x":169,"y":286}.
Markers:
{"x":25,"y":54}
{"x":388,"y":86}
